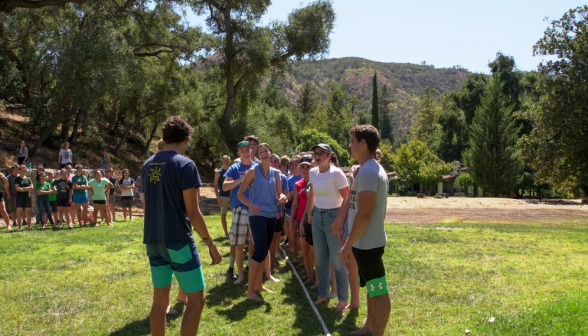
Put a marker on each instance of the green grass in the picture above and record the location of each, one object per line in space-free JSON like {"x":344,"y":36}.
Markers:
{"x":531,"y":277}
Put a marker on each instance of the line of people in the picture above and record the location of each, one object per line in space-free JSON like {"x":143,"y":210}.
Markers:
{"x":63,"y":196}
{"x":65,"y":156}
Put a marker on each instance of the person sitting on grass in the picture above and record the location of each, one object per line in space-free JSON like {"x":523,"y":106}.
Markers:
{"x":23,"y":185}
{"x":63,"y":188}
{"x":127,"y":184}
{"x":80,"y":195}
{"x":367,"y":236}
{"x":43,"y":188}
{"x":170,"y":181}
{"x":99,"y":187}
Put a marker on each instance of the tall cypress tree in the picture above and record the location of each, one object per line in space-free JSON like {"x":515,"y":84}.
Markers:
{"x":375,"y":114}
{"x":387,"y":113}
{"x":491,"y":158}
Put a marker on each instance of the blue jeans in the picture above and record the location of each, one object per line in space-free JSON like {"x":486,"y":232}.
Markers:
{"x":44,"y":207}
{"x":326,"y":248}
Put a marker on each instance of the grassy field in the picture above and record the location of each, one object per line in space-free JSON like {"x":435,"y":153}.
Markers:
{"x":95,"y":281}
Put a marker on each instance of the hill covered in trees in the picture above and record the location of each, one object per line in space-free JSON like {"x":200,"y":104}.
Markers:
{"x":406,"y":81}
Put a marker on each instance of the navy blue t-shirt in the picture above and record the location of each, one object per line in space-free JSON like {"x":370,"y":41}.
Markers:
{"x":235,"y":172}
{"x":164,"y":177}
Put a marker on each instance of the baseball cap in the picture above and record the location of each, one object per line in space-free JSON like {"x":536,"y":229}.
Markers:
{"x":323,"y":146}
{"x":243,"y":143}
{"x":306,"y":159}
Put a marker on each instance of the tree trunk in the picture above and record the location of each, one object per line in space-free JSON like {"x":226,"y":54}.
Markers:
{"x":74,"y":133}
{"x":65,"y":128}
{"x":54,"y":123}
{"x":113,"y":115}
{"x":151,"y":135}
{"x":138,"y":119}
{"x":226,"y":122}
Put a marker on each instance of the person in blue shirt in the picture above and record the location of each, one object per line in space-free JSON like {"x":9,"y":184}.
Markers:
{"x":265,"y":196}
{"x":292,"y":180}
{"x":170,"y":182}
{"x":240,"y":222}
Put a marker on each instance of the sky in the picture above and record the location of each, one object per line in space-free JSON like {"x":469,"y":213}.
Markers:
{"x":446,"y":33}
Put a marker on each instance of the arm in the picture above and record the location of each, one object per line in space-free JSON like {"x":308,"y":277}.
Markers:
{"x":199,"y":224}
{"x":282,"y":199}
{"x":59,"y":159}
{"x":365,"y":205}
{"x":26,"y":153}
{"x":231,"y":184}
{"x":294,"y":211}
{"x":341,"y":214}
{"x":216,"y":186}
{"x":5,"y":182}
{"x":310,"y":204}
{"x":344,"y":210}
{"x":248,"y":180}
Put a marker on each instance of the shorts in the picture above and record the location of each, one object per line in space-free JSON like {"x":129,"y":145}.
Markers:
{"x":99,"y":202}
{"x":180,"y":259}
{"x":225,"y":204}
{"x":308,"y":234}
{"x":239,"y":227}
{"x":126,"y":201}
{"x":11,"y":204}
{"x":369,"y":264}
{"x":63,"y":203}
{"x":53,"y":205}
{"x":80,"y":199}
{"x":142,"y":196}
{"x":65,"y":164}
{"x":23,"y":202}
{"x":280,"y":225}
{"x":20,"y":160}
{"x":111,"y":198}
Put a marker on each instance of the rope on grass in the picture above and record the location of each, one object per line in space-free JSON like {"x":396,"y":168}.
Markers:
{"x":318,"y":315}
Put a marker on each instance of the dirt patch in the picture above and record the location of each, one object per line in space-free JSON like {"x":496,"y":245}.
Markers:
{"x":431,"y":210}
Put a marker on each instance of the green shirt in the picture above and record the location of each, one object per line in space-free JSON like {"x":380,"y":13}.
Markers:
{"x":99,"y":188}
{"x":43,"y":186}
{"x":23,"y":183}
{"x":80,"y":181}
{"x":52,"y":197}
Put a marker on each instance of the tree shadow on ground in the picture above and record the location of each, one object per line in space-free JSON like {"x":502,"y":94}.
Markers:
{"x":142,"y":327}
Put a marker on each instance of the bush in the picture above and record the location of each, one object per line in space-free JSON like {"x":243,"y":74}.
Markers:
{"x":312,"y":137}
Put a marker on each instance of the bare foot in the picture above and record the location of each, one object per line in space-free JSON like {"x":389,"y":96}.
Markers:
{"x":320,"y":300}
{"x":353,"y":306}
{"x":271,"y":278}
{"x":342,"y":305}
{"x":315,"y":285}
{"x":183,"y":299}
{"x":43,"y":227}
{"x":263,"y":289}
{"x":363,"y":331}
{"x":110,"y":225}
{"x":254,"y":297}
{"x":309,"y":280}
{"x":239,"y":280}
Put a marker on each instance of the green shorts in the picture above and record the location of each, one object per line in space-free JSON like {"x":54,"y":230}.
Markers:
{"x":179,"y":259}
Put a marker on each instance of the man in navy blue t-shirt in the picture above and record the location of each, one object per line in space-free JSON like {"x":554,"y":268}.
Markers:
{"x":240,"y":222}
{"x":170,"y":182}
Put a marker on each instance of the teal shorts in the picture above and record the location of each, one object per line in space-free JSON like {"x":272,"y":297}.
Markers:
{"x":179,"y":259}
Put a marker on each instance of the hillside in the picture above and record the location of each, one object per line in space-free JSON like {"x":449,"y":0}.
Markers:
{"x":407,"y":82}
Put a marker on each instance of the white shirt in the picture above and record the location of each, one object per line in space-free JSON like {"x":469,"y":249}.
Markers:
{"x":326,"y":187}
{"x":65,"y":156}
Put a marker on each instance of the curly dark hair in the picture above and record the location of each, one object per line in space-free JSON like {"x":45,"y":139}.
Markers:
{"x":176,"y":130}
{"x":251,"y":138}
{"x":368,"y":133}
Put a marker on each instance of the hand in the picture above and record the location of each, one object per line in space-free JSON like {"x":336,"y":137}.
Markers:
{"x":277,"y":215}
{"x":220,"y":203}
{"x":302,"y":230}
{"x":334,"y":227}
{"x":344,"y":253}
{"x":340,"y":234}
{"x":255,"y":209}
{"x":293,"y":227}
{"x":215,"y":254}
{"x":354,"y":170}
{"x":283,"y":199}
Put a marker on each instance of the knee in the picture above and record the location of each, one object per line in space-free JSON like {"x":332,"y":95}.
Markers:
{"x":259,"y":255}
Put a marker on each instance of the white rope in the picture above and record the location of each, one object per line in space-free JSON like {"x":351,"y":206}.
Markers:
{"x":318,"y":315}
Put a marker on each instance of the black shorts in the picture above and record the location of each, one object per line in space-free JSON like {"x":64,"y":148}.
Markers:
{"x":308,"y":234}
{"x":65,"y":164}
{"x":99,"y":202}
{"x":280,"y":225}
{"x":53,"y":205}
{"x":126,"y":201}
{"x":23,"y":202}
{"x":20,"y":160}
{"x":369,"y":264}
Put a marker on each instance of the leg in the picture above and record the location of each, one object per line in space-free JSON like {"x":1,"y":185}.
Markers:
{"x":28,"y":213}
{"x":322,"y":257}
{"x":130,"y":213}
{"x":4,"y":215}
{"x":19,"y":217}
{"x":95,"y":216}
{"x":159,"y":309}
{"x":85,"y":213}
{"x":182,"y":296}
{"x":381,"y":312}
{"x":368,"y":328}
{"x":191,"y":319}
{"x":353,"y":283}
{"x":255,"y":268}
{"x":239,"y":257}
{"x":340,"y":271}
{"x":79,"y":213}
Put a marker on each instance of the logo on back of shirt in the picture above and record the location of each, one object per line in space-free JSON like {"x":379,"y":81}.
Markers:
{"x":155,"y":175}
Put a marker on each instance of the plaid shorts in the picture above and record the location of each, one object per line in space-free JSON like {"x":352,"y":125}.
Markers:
{"x":239,"y":227}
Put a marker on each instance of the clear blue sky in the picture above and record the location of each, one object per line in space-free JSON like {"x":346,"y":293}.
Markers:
{"x":442,"y":33}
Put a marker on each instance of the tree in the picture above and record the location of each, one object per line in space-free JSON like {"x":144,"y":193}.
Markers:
{"x":387,"y":113}
{"x":7,"y":6}
{"x":465,"y":181}
{"x":416,"y":163}
{"x":467,"y":98}
{"x":312,"y":137}
{"x":425,"y":124}
{"x":387,"y":159}
{"x":557,"y":146}
{"x":375,"y":103}
{"x":452,"y":137}
{"x":307,"y":99}
{"x":248,"y":50}
{"x":492,"y":157}
{"x":333,"y":116}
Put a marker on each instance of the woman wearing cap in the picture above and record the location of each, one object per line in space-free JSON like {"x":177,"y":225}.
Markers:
{"x":298,"y":212}
{"x":328,"y":189}
{"x":264,"y":197}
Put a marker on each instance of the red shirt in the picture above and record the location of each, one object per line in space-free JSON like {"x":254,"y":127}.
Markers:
{"x":302,"y":197}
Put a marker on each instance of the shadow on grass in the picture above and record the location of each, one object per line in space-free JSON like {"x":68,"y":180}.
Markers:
{"x":142,"y":327}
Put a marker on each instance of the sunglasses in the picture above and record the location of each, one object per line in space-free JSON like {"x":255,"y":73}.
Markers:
{"x":319,"y":154}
